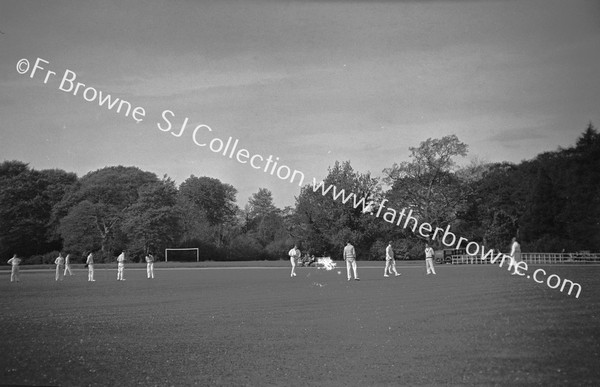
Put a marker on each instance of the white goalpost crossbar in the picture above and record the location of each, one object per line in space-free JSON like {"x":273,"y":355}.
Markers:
{"x":183,"y":249}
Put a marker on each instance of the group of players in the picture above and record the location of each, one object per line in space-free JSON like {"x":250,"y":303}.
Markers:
{"x":63,"y":266}
{"x":390,"y":263}
{"x":349,"y":255}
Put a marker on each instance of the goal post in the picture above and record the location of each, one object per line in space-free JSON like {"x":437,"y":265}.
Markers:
{"x":191,"y":254}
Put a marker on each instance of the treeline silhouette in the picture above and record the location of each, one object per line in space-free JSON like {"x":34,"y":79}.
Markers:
{"x":551,"y":203}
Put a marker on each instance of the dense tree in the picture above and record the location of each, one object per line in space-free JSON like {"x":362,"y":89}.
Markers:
{"x":574,"y":199}
{"x":81,"y":229}
{"x":551,"y":202}
{"x":542,"y":206}
{"x":27,"y":197}
{"x":215,"y":198}
{"x":209,"y":209}
{"x":100,"y":201}
{"x":589,"y":141}
{"x":493,"y":212}
{"x":326,"y":224}
{"x":264,"y":221}
{"x":427,"y":183}
{"x":152,"y":223}
{"x":261,"y":204}
{"x":245,"y":248}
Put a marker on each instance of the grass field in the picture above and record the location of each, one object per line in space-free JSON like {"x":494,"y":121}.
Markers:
{"x":469,"y":325}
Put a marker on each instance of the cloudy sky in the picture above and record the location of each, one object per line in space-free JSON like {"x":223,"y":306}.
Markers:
{"x":309,"y":82}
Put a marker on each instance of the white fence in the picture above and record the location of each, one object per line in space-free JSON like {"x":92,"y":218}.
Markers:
{"x":535,"y":258}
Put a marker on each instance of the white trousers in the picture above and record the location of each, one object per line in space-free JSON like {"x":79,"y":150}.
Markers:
{"x":390,"y":265}
{"x":150,"y":269}
{"x":429,"y":265}
{"x":14,"y":274}
{"x":67,"y":269}
{"x":351,"y":264}
{"x":58,"y":271}
{"x":90,"y":272}
{"x":120,"y":270}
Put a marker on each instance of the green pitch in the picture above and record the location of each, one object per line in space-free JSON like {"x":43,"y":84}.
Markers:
{"x":469,"y":325}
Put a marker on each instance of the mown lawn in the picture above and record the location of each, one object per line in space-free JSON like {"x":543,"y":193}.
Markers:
{"x":469,"y":325}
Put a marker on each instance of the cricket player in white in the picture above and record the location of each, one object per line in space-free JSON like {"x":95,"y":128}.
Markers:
{"x":515,"y":252}
{"x":294,"y":254}
{"x":67,"y":265}
{"x":150,"y":266}
{"x":120,"y":266}
{"x":14,"y":262}
{"x":390,"y":262}
{"x":429,"y":253}
{"x":350,"y":258}
{"x":59,"y":262}
{"x":90,"y":264}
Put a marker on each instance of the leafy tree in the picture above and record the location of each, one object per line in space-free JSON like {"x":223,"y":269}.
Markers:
{"x":493,"y":213}
{"x":27,"y":197}
{"x":245,"y":248}
{"x":541,"y":206}
{"x":193,"y":221}
{"x":551,"y":202}
{"x":152,"y":223}
{"x":215,"y":198}
{"x":261,"y":204}
{"x":427,"y":184}
{"x":326,"y":224}
{"x":575,"y":173}
{"x":264,"y":221}
{"x":81,"y":228}
{"x":209,"y":209}
{"x":100,"y":200}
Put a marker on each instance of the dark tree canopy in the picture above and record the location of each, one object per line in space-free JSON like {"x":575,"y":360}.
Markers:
{"x":551,"y":203}
{"x":427,"y":184}
{"x":27,"y":197}
{"x":214,"y":198}
{"x":100,"y":200}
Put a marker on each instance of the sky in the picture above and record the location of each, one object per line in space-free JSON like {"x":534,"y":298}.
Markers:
{"x":308,"y":83}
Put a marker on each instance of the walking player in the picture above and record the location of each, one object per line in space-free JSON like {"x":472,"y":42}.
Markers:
{"x":390,"y":262}
{"x":67,"y":265}
{"x":120,"y":266}
{"x":59,"y":262}
{"x":350,"y":258}
{"x":294,"y":254}
{"x":429,"y":253}
{"x":90,"y":264}
{"x":14,"y":273}
{"x":150,"y":266}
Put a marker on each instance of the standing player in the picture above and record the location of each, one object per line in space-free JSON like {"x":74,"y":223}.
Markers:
{"x":120,"y":266}
{"x":350,"y":258}
{"x":390,"y":262}
{"x":515,"y":252}
{"x":90,"y":264}
{"x":294,"y":254}
{"x":429,"y":253}
{"x":14,"y":273}
{"x":59,"y":262}
{"x":67,"y":265}
{"x":150,"y":266}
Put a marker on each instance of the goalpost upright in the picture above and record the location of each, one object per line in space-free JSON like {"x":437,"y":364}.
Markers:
{"x":183,"y":249}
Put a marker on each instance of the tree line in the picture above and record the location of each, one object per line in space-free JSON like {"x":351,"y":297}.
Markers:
{"x":551,"y":203}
